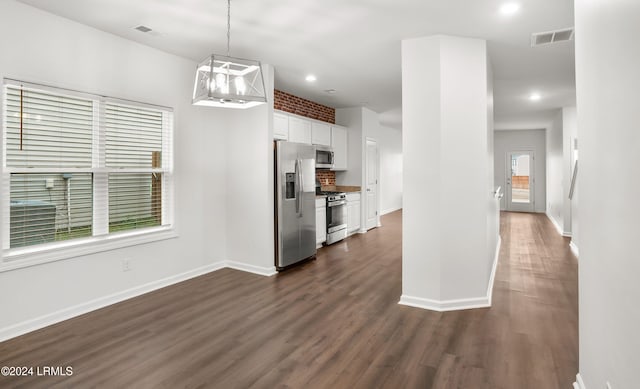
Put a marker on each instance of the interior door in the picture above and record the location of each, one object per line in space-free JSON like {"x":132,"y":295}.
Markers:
{"x":520,"y":181}
{"x":372,"y":184}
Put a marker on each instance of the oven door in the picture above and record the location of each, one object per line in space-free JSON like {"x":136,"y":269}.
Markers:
{"x":336,"y":216}
{"x":324,"y":159}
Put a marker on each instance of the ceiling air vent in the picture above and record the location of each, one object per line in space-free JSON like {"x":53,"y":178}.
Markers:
{"x":143,"y":28}
{"x":549,"y":37}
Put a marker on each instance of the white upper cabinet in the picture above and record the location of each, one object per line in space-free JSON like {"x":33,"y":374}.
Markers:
{"x":299,"y":130}
{"x":280,"y":126}
{"x":339,"y":146}
{"x":320,"y":134}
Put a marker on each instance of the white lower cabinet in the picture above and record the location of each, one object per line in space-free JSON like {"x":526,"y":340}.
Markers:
{"x":353,"y":212}
{"x":321,"y":221}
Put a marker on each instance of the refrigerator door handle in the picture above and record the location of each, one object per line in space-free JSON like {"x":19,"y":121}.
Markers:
{"x":300,"y":188}
{"x":297,"y":187}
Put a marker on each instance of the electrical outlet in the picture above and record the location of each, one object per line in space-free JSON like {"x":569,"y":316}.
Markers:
{"x":126,"y":264}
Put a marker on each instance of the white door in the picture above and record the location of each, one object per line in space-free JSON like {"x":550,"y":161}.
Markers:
{"x":520,"y":181}
{"x":371,"y":200}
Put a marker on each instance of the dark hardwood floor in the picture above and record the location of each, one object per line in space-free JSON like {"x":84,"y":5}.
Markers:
{"x":331,"y":323}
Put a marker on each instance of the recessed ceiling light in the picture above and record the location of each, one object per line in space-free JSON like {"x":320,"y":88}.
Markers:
{"x":310,"y":78}
{"x":509,"y":8}
{"x":535,"y":97}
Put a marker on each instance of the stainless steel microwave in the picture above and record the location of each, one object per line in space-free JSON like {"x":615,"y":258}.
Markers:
{"x":324,"y":157}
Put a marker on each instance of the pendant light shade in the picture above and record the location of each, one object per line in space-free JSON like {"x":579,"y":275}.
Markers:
{"x":225,"y":81}
{"x":229,"y":82}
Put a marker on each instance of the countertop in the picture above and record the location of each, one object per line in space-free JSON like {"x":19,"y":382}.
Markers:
{"x":339,"y":188}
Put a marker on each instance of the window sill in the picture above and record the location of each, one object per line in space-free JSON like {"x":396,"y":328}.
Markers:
{"x":13,"y":259}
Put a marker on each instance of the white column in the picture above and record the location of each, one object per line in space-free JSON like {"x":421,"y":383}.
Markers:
{"x":608,"y":104}
{"x":450,"y":216}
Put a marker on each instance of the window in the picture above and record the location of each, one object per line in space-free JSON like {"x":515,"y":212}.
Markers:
{"x":80,"y":167}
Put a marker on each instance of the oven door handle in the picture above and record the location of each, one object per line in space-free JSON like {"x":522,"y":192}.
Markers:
{"x":336,"y":203}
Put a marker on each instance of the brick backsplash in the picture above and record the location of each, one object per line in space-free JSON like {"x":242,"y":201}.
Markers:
{"x":293,"y":104}
{"x":326,"y":177}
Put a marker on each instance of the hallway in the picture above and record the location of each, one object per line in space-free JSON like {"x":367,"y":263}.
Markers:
{"x":331,"y":323}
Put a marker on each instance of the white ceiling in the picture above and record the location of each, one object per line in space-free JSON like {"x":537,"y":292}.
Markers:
{"x":354,"y":46}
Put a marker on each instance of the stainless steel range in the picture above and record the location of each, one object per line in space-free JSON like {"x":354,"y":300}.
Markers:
{"x":336,"y":216}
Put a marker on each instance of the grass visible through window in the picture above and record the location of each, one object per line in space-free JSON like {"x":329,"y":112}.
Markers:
{"x":133,"y":224}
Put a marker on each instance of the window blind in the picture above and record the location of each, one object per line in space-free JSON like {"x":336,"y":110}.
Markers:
{"x":45,"y":130}
{"x":134,"y":142}
{"x":79,"y":165}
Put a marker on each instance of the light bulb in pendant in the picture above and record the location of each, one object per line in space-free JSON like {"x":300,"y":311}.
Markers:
{"x":221,"y":82}
{"x":241,"y":86}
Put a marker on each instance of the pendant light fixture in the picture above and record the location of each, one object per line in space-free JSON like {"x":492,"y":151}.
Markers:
{"x":228,"y":82}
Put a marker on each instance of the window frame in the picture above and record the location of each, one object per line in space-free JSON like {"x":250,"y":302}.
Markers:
{"x":101,"y":239}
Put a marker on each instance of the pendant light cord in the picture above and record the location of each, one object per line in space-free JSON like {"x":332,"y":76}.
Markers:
{"x":228,"y":25}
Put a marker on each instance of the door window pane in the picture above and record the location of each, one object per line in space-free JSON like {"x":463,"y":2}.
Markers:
{"x":520,"y":176}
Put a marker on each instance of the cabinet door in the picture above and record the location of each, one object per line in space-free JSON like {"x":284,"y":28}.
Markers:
{"x":339,"y":145}
{"x":321,"y":225}
{"x":353,"y":216}
{"x":320,"y":134}
{"x":354,"y":221}
{"x":280,"y":126}
{"x":299,"y":130}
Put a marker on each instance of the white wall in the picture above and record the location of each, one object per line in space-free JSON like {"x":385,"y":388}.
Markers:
{"x":492,"y":203}
{"x":59,"y":52}
{"x":447,"y":109}
{"x":556,"y":174}
{"x":249,"y":185}
{"x":607,"y":85}
{"x":363,"y":123}
{"x":390,"y":151}
{"x":515,"y":140}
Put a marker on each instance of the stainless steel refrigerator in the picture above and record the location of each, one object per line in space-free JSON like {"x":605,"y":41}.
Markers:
{"x":295,"y":199}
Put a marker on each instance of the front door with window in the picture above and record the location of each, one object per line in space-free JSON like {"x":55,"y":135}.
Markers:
{"x":520,"y":181}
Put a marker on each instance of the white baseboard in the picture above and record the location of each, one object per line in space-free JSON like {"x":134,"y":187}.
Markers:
{"x":386,"y":211}
{"x":446,"y":305}
{"x":263,"y":271}
{"x":80,"y":309}
{"x":574,"y":249}
{"x":459,"y":304}
{"x":555,"y":223}
{"x":579,"y":384}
